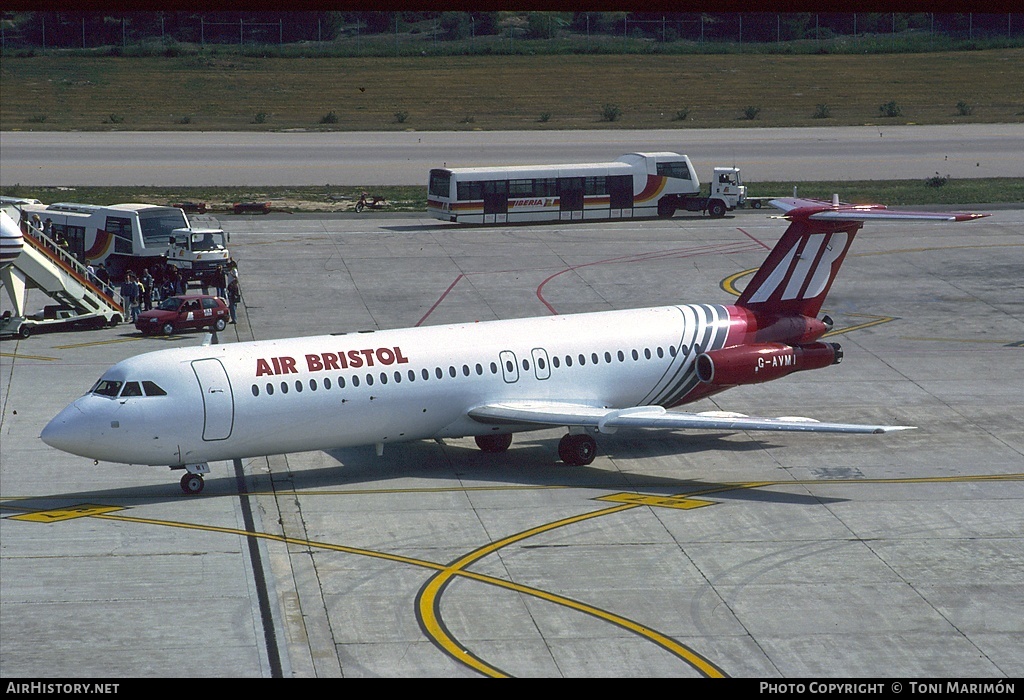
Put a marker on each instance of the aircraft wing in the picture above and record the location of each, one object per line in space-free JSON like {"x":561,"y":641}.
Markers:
{"x":607,"y":420}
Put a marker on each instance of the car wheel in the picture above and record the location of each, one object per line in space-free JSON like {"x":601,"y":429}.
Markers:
{"x":221,"y":324}
{"x":168,"y":328}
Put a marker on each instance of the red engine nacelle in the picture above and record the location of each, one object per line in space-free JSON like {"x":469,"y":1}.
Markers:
{"x":753,"y":364}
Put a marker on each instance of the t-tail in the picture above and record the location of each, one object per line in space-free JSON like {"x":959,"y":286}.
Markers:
{"x":797,"y":275}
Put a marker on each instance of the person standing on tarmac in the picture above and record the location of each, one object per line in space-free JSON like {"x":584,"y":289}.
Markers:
{"x":147,"y":295}
{"x":234,"y":296}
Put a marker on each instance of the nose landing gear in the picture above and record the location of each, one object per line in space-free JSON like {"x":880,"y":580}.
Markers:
{"x":192,"y":482}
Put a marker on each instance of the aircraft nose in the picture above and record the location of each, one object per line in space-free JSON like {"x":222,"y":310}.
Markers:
{"x":68,"y":431}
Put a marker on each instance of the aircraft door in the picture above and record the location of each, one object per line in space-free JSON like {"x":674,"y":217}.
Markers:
{"x":541,"y":364}
{"x":509,"y":367}
{"x":218,"y":400}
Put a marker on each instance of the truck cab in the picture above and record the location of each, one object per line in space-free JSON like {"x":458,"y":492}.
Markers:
{"x":198,"y":252}
{"x":728,"y":188}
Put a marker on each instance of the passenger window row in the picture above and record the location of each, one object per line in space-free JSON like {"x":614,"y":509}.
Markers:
{"x":369,"y":379}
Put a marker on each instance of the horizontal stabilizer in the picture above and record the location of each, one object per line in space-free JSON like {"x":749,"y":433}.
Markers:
{"x":820,"y":210}
{"x":607,"y":420}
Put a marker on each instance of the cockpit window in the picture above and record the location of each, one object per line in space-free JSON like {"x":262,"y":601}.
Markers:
{"x":107,"y":387}
{"x":153,"y":390}
{"x":131,"y":389}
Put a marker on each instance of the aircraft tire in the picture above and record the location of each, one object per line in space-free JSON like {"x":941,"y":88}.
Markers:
{"x":577,"y":450}
{"x":192,"y":484}
{"x":494,"y":443}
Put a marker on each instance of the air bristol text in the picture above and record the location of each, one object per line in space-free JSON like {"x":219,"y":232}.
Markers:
{"x":319,"y":362}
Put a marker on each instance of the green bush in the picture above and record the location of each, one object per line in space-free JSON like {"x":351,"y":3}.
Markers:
{"x":329,"y":118}
{"x":890,"y":109}
{"x":681,"y":115}
{"x":964,"y":109}
{"x":751,"y":112}
{"x":400,"y":117}
{"x":822,"y":112}
{"x":610,"y":113}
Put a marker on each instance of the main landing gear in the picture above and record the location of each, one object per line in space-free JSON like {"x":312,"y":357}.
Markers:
{"x":575,"y":449}
{"x":192,"y":482}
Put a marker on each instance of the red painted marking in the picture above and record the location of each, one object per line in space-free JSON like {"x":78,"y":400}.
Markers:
{"x":440,"y":299}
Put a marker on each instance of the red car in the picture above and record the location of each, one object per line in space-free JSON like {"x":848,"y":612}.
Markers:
{"x":185,"y":311}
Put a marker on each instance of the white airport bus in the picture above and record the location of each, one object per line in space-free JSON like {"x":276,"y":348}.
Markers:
{"x":121,"y":236}
{"x":636,"y":185}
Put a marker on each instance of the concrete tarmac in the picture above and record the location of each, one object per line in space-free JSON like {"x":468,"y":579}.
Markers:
{"x":673,"y":555}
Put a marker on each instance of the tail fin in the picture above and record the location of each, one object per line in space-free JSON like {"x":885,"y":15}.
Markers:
{"x":796,"y":276}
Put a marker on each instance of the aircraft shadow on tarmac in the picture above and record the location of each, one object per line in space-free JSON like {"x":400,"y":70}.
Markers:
{"x":530,"y":462}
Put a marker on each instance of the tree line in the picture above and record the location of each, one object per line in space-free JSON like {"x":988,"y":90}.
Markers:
{"x":94,"y":29}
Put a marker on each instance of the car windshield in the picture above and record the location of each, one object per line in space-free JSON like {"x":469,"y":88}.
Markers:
{"x":170,"y":304}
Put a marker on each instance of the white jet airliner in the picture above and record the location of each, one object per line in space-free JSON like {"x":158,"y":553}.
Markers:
{"x":591,"y":373}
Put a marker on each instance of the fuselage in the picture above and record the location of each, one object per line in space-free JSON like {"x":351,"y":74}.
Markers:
{"x":322,"y":392}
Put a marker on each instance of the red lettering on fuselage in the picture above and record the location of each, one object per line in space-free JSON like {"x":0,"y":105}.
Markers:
{"x":277,"y":365}
{"x":321,"y":362}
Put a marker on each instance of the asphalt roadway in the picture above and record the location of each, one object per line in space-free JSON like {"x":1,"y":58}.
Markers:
{"x":177,"y":159}
{"x":735,"y":554}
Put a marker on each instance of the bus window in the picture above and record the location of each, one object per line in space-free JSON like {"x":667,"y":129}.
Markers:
{"x":158,"y":224}
{"x":470,"y":191}
{"x":676,"y":170}
{"x":121,"y":229}
{"x":440,"y":183}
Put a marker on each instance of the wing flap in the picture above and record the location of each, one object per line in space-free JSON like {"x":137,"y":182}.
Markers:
{"x":608,"y":420}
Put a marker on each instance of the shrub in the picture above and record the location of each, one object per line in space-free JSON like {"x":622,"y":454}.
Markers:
{"x":185,"y":120}
{"x":964,"y":109}
{"x":544,"y":116}
{"x":822,"y":112}
{"x":751,"y":112}
{"x":681,"y":114}
{"x":890,"y":109}
{"x":400,"y":117}
{"x":261,"y":117}
{"x":937,"y":180}
{"x":116,"y":119}
{"x":329,"y":118}
{"x":610,"y":113}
